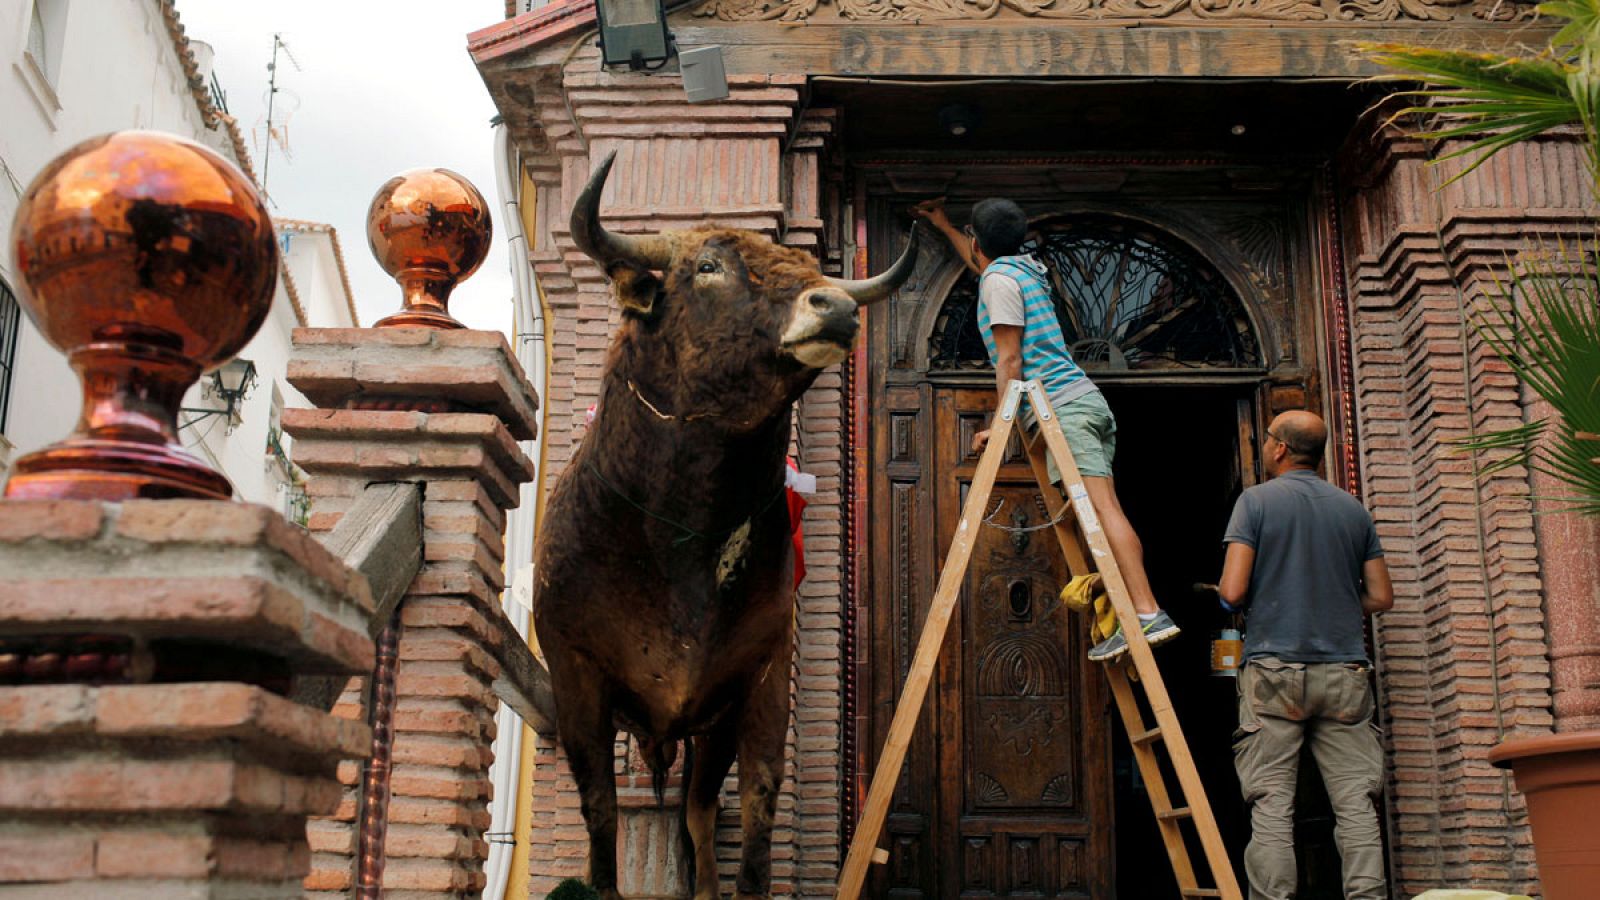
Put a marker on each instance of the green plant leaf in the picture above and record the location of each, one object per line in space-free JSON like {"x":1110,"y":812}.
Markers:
{"x":1489,"y":100}
{"x":1546,"y":327}
{"x":1583,"y":21}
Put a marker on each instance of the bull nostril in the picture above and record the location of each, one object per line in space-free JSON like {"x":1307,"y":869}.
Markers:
{"x":831,"y":303}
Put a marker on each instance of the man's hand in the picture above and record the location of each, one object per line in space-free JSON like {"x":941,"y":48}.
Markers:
{"x":933,"y":211}
{"x":980,"y":440}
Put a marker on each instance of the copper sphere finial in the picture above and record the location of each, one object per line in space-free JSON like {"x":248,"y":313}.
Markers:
{"x":430,"y":229}
{"x":147,"y":259}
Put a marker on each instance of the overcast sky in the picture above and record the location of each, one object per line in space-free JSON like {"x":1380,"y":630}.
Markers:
{"x":382,"y":86}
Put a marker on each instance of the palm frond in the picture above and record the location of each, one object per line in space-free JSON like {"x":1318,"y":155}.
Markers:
{"x":1488,"y":100}
{"x":1583,"y":21}
{"x":1504,"y":449}
{"x":1547,"y":330}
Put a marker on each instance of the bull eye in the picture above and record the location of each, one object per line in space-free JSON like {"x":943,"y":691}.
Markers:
{"x":707,"y":267}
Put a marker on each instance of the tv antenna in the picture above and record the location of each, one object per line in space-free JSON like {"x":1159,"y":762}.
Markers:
{"x":272,"y":96}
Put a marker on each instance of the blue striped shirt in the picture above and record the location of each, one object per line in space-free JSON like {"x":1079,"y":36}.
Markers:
{"x":1045,"y":357}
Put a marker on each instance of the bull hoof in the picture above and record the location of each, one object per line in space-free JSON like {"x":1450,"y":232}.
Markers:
{"x":707,"y":895}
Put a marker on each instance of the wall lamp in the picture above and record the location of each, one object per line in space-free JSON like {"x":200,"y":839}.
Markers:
{"x":633,"y":33}
{"x":231,"y":383}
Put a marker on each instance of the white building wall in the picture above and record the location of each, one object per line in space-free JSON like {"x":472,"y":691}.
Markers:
{"x":112,"y":65}
{"x":310,"y":256}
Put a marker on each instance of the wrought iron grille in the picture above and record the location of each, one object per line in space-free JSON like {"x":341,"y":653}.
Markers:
{"x":1128,"y":298}
{"x":10,"y":324}
{"x":956,"y":342}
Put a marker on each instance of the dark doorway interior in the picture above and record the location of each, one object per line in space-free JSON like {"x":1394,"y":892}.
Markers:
{"x":1177,"y":474}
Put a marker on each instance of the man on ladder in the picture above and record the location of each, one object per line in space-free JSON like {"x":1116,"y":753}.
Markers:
{"x":1025,"y":343}
{"x":1039,"y":380}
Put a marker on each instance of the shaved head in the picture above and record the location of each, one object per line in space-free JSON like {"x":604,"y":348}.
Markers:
{"x":1305,"y":435}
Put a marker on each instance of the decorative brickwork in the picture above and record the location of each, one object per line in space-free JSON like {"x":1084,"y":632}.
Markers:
{"x":174,"y":768}
{"x":1463,"y":657}
{"x":443,"y":408}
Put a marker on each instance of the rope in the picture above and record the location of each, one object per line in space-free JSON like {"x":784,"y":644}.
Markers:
{"x":1024,"y":529}
{"x":677,"y":417}
{"x":689,"y":534}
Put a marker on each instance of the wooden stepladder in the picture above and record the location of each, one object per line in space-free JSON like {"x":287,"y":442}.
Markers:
{"x":1086,"y":549}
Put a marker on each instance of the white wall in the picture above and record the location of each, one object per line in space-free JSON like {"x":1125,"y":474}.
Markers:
{"x":112,"y":66}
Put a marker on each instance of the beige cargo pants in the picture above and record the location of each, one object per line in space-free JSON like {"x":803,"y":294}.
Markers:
{"x":1283,"y":705}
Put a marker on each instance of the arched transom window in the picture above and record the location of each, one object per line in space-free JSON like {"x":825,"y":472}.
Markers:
{"x":1129,"y":297}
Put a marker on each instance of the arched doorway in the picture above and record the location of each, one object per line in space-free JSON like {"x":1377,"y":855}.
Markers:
{"x":1019,"y":783}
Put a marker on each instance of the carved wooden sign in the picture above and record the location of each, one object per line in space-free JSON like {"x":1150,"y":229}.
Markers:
{"x":1033,"y":48}
{"x":1113,"y":10}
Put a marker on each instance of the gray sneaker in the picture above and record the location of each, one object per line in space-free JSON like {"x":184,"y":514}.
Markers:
{"x":1157,"y":631}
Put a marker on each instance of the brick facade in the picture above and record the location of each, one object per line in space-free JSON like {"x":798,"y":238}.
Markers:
{"x":1493,"y":633}
{"x":1464,"y":656}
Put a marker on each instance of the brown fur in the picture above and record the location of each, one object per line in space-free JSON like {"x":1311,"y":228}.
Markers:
{"x":637,"y":627}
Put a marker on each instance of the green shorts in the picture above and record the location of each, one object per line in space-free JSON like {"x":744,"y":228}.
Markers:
{"x":1091,"y":432}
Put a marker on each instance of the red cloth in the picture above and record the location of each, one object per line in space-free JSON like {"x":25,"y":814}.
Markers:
{"x":797,"y":509}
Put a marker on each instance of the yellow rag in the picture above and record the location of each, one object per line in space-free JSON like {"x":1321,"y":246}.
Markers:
{"x":1085,"y":593}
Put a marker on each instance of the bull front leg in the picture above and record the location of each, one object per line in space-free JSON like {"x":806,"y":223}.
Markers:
{"x":588,"y":733}
{"x":761,"y":737}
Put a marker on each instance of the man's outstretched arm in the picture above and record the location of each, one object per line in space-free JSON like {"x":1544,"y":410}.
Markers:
{"x":933,"y":212}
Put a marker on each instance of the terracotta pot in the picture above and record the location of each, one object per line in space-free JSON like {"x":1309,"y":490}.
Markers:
{"x":1560,"y":776}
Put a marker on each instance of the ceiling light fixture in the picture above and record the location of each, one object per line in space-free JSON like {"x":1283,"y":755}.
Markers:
{"x":958,"y":119}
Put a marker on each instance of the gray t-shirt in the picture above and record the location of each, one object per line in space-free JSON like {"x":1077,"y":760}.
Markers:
{"x":1311,"y":541}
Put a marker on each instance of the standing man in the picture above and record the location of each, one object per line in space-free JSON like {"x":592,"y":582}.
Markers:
{"x":1305,"y":557}
{"x":1024,"y":340}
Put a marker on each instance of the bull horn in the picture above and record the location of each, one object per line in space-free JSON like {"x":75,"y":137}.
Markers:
{"x":649,"y":251}
{"x":868,"y":290}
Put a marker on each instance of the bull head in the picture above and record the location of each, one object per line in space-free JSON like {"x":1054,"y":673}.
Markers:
{"x":629,"y":259}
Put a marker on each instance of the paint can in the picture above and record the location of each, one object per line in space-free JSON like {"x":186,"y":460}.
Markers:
{"x":1227,"y":653}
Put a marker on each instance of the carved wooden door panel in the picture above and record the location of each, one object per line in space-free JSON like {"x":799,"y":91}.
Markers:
{"x":1024,"y":778}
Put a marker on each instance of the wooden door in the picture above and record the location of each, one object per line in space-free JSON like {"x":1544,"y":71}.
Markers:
{"x":1021,"y":754}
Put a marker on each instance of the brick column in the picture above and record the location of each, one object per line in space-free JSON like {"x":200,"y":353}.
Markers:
{"x":443,"y":409}
{"x":147,"y":749}
{"x":1463,"y":657}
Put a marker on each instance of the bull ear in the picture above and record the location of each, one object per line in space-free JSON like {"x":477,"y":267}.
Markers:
{"x":636,"y":288}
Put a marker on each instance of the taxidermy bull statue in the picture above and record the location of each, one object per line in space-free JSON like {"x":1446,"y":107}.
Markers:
{"x":664,"y":601}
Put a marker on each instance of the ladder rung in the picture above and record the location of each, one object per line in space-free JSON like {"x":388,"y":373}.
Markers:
{"x":1147,"y":737}
{"x":1181,"y":812}
{"x":1200,"y":892}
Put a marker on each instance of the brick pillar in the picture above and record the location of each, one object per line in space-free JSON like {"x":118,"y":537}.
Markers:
{"x":159,"y":758}
{"x":443,"y":409}
{"x":1463,"y":657}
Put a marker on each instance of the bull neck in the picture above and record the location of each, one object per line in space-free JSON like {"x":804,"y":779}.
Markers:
{"x":636,"y":425}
